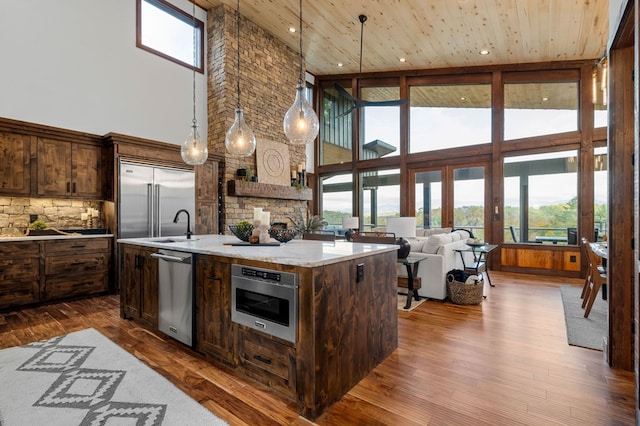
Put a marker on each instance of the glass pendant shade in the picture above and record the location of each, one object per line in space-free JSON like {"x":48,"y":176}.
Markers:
{"x":301,"y":122}
{"x":194,"y":151}
{"x":240,"y":139}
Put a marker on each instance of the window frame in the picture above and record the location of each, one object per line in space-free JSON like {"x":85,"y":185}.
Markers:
{"x":182,"y":16}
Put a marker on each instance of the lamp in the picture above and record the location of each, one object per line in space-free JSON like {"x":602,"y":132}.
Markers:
{"x":301,"y":122}
{"x":239,"y":139}
{"x":194,"y":151}
{"x":351,"y":226}
{"x":402,"y":227}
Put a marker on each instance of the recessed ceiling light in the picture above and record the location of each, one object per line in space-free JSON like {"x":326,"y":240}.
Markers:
{"x":484,"y":52}
{"x":462,"y":98}
{"x":545,"y":99}
{"x":403,"y":59}
{"x":340,"y":64}
{"x":292,"y":29}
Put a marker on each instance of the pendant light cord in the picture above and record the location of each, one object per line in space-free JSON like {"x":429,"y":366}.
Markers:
{"x":238,"y":63}
{"x":300,"y":76}
{"x":362,"y":18}
{"x":194,"y":62}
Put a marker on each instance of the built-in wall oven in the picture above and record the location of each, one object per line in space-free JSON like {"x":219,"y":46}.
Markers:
{"x":265,"y":300}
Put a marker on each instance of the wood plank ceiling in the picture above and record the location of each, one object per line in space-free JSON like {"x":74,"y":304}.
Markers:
{"x":432,"y":33}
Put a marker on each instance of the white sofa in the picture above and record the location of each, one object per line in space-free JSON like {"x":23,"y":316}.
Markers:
{"x":439,"y":257}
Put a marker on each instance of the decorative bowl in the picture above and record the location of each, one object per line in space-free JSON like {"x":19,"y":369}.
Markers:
{"x":242,"y":232}
{"x":282,"y":235}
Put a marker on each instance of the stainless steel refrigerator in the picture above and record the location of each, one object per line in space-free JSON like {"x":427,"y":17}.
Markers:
{"x":149,"y":198}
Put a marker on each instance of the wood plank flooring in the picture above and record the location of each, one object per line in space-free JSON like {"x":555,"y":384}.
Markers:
{"x":503,"y":362}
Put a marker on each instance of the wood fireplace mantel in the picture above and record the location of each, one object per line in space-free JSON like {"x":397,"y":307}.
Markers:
{"x":242,"y":188}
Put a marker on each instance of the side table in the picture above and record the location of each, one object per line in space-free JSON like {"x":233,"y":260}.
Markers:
{"x":411,"y":262}
{"x":479,"y":264}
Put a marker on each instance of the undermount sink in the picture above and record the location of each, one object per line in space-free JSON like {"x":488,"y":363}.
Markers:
{"x":174,"y":240}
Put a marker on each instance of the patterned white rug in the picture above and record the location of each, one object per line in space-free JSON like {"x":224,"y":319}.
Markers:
{"x":83,"y":378}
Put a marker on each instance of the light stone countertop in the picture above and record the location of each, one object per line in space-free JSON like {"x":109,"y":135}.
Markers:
{"x":305,"y":253}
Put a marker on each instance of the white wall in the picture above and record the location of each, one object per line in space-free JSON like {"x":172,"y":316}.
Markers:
{"x":74,"y":64}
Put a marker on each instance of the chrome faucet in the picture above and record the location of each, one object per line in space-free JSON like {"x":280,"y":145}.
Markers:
{"x":175,"y":220}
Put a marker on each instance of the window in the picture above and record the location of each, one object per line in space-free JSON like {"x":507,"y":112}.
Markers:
{"x":537,"y":213}
{"x":167,"y":31}
{"x":536,"y":109}
{"x":428,"y":195}
{"x":380,"y":194}
{"x":380,"y":124}
{"x":336,"y":142}
{"x":600,"y":193}
{"x":337,"y":200}
{"x":468,"y":199}
{"x":449,"y":116}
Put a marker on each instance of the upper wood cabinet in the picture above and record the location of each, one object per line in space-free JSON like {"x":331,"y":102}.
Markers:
{"x":15,"y":175}
{"x":68,"y":169}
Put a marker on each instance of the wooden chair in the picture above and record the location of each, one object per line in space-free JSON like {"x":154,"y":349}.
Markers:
{"x":374,"y":237}
{"x":319,"y":235}
{"x":584,"y":247}
{"x":598,"y":277}
{"x":513,"y":233}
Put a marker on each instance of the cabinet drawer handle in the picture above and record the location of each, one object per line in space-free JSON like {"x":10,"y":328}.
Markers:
{"x":68,"y":186}
{"x":262,"y":359}
{"x":74,"y":187}
{"x":78,"y":246}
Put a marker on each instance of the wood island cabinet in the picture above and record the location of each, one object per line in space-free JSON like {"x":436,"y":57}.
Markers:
{"x":15,"y":175}
{"x":68,"y":169}
{"x":214,"y":329}
{"x":139,"y":284}
{"x":347,"y":321}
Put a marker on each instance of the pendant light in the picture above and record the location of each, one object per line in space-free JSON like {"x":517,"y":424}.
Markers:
{"x":301,"y":122}
{"x":194,"y":151}
{"x":239,"y":139}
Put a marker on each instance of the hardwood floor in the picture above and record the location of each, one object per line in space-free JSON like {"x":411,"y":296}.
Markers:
{"x":503,"y":362}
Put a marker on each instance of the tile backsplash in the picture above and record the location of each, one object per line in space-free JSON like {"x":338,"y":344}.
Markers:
{"x":15,"y":213}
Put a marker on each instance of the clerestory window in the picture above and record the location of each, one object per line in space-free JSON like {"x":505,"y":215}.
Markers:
{"x":168,"y":32}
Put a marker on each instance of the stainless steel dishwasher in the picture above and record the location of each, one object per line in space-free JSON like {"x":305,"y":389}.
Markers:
{"x":175,"y":302}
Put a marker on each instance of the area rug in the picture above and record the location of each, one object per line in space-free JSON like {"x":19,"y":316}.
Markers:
{"x":581,"y":331}
{"x":83,"y":378}
{"x":402,"y":301}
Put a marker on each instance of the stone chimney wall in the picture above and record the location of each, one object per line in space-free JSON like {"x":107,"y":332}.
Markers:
{"x":268,"y":78}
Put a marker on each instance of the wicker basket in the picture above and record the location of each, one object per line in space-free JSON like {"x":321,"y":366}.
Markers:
{"x":465,"y":294}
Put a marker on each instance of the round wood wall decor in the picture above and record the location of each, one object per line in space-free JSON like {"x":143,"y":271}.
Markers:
{"x":273,"y":163}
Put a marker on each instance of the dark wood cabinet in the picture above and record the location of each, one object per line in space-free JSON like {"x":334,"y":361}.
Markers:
{"x":206,"y":220}
{"x":15,"y":157}
{"x":19,"y":273}
{"x":139,"y":284}
{"x":68,"y":169}
{"x":53,"y":269}
{"x":214,"y":329}
{"x":76,"y":267}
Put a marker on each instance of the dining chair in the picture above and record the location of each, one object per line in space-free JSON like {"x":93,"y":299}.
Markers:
{"x":598,"y":278}
{"x":375,"y":238}
{"x":319,"y":235}
{"x":585,"y":252}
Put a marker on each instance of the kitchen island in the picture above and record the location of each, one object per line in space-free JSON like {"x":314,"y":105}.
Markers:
{"x":346,"y":311}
